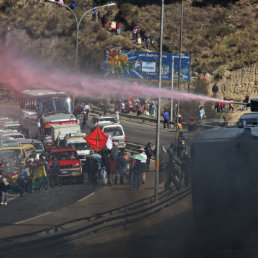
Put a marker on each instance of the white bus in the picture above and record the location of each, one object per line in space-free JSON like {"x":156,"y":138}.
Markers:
{"x":43,"y":108}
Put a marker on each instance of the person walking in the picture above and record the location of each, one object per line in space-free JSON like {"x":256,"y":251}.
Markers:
{"x":166,"y":119}
{"x":4,"y":186}
{"x":149,"y":153}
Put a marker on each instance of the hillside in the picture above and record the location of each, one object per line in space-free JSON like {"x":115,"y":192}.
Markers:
{"x":218,"y":36}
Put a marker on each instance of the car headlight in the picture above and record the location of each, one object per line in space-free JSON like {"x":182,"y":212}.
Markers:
{"x":76,"y":165}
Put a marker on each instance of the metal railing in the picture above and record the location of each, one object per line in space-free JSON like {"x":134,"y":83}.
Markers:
{"x":99,"y":222}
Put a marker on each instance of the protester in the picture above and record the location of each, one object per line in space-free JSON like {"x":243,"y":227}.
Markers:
{"x":122,"y":162}
{"x":114,"y":170}
{"x":4,"y":186}
{"x":137,"y":175}
{"x":94,"y":14}
{"x":217,"y":107}
{"x":118,"y":30}
{"x":104,"y":21}
{"x":224,"y":123}
{"x":86,"y":110}
{"x":134,"y":34}
{"x":191,"y":123}
{"x":180,"y":122}
{"x":222,"y":106}
{"x":138,"y":109}
{"x":149,"y":152}
{"x":147,"y":42}
{"x":143,"y":165}
{"x":99,"y":16}
{"x":246,"y":100}
{"x":55,"y":172}
{"x":202,"y":113}
{"x":73,"y":5}
{"x":122,"y":109}
{"x":172,"y":175}
{"x":112,"y":26}
{"x":166,"y":119}
{"x":231,"y":105}
{"x":139,"y":39}
{"x":92,"y":167}
{"x":186,"y":168}
{"x":215,"y":90}
{"x":152,"y":109}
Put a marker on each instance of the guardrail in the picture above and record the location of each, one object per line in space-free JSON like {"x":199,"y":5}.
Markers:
{"x":99,"y":222}
{"x":153,"y":120}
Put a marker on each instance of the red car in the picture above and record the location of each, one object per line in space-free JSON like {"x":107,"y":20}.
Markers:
{"x":70,"y":164}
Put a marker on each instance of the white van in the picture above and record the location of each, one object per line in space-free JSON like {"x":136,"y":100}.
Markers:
{"x":116,"y":132}
{"x":76,"y":140}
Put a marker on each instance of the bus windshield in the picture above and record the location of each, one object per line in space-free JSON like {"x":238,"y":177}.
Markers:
{"x":55,"y":105}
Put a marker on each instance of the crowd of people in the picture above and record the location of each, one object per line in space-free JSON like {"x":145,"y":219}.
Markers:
{"x":23,"y":177}
{"x":117,"y":166}
{"x":139,"y":105}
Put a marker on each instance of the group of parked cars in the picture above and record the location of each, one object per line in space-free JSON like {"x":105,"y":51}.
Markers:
{"x":68,"y":146}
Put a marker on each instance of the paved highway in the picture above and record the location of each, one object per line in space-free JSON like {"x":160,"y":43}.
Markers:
{"x":37,"y":203}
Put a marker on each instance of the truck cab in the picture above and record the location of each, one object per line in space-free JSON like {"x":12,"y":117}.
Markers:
{"x":60,"y":131}
{"x":69,"y":161}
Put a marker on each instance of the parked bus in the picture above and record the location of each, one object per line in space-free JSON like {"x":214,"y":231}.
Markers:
{"x":43,"y":108}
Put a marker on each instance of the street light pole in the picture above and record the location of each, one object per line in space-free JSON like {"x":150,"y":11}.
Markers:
{"x":179,"y":67}
{"x":159,"y":103}
{"x":78,"y":23}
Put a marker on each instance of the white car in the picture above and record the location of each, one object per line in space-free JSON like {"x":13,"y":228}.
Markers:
{"x":116,"y":133}
{"x":102,"y":120}
{"x":13,"y":134}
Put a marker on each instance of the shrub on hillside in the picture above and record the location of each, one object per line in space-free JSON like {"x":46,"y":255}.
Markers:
{"x":51,"y":22}
{"x":102,"y":35}
{"x":200,"y":87}
{"x":129,"y":15}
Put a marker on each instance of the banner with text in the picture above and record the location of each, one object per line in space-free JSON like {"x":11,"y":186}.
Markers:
{"x":145,"y":65}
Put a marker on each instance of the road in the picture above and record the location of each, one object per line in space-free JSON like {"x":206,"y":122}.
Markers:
{"x":58,"y":197}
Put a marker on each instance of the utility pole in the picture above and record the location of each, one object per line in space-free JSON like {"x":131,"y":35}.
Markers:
{"x":179,"y":67}
{"x":156,"y":193}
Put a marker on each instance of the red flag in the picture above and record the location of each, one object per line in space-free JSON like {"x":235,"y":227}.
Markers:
{"x":97,"y":139}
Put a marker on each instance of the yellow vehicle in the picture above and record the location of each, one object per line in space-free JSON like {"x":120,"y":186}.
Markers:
{"x":13,"y":154}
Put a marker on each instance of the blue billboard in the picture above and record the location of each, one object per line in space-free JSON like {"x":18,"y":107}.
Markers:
{"x":145,"y":65}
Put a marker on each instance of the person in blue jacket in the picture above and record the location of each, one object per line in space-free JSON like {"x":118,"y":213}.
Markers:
{"x":166,"y":118}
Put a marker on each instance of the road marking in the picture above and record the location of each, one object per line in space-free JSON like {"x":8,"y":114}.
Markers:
{"x":26,"y":220}
{"x":86,"y":197}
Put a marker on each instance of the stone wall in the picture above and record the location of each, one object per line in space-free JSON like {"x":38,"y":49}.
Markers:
{"x":239,"y":83}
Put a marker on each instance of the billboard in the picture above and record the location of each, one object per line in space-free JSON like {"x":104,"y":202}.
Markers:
{"x":145,"y":65}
